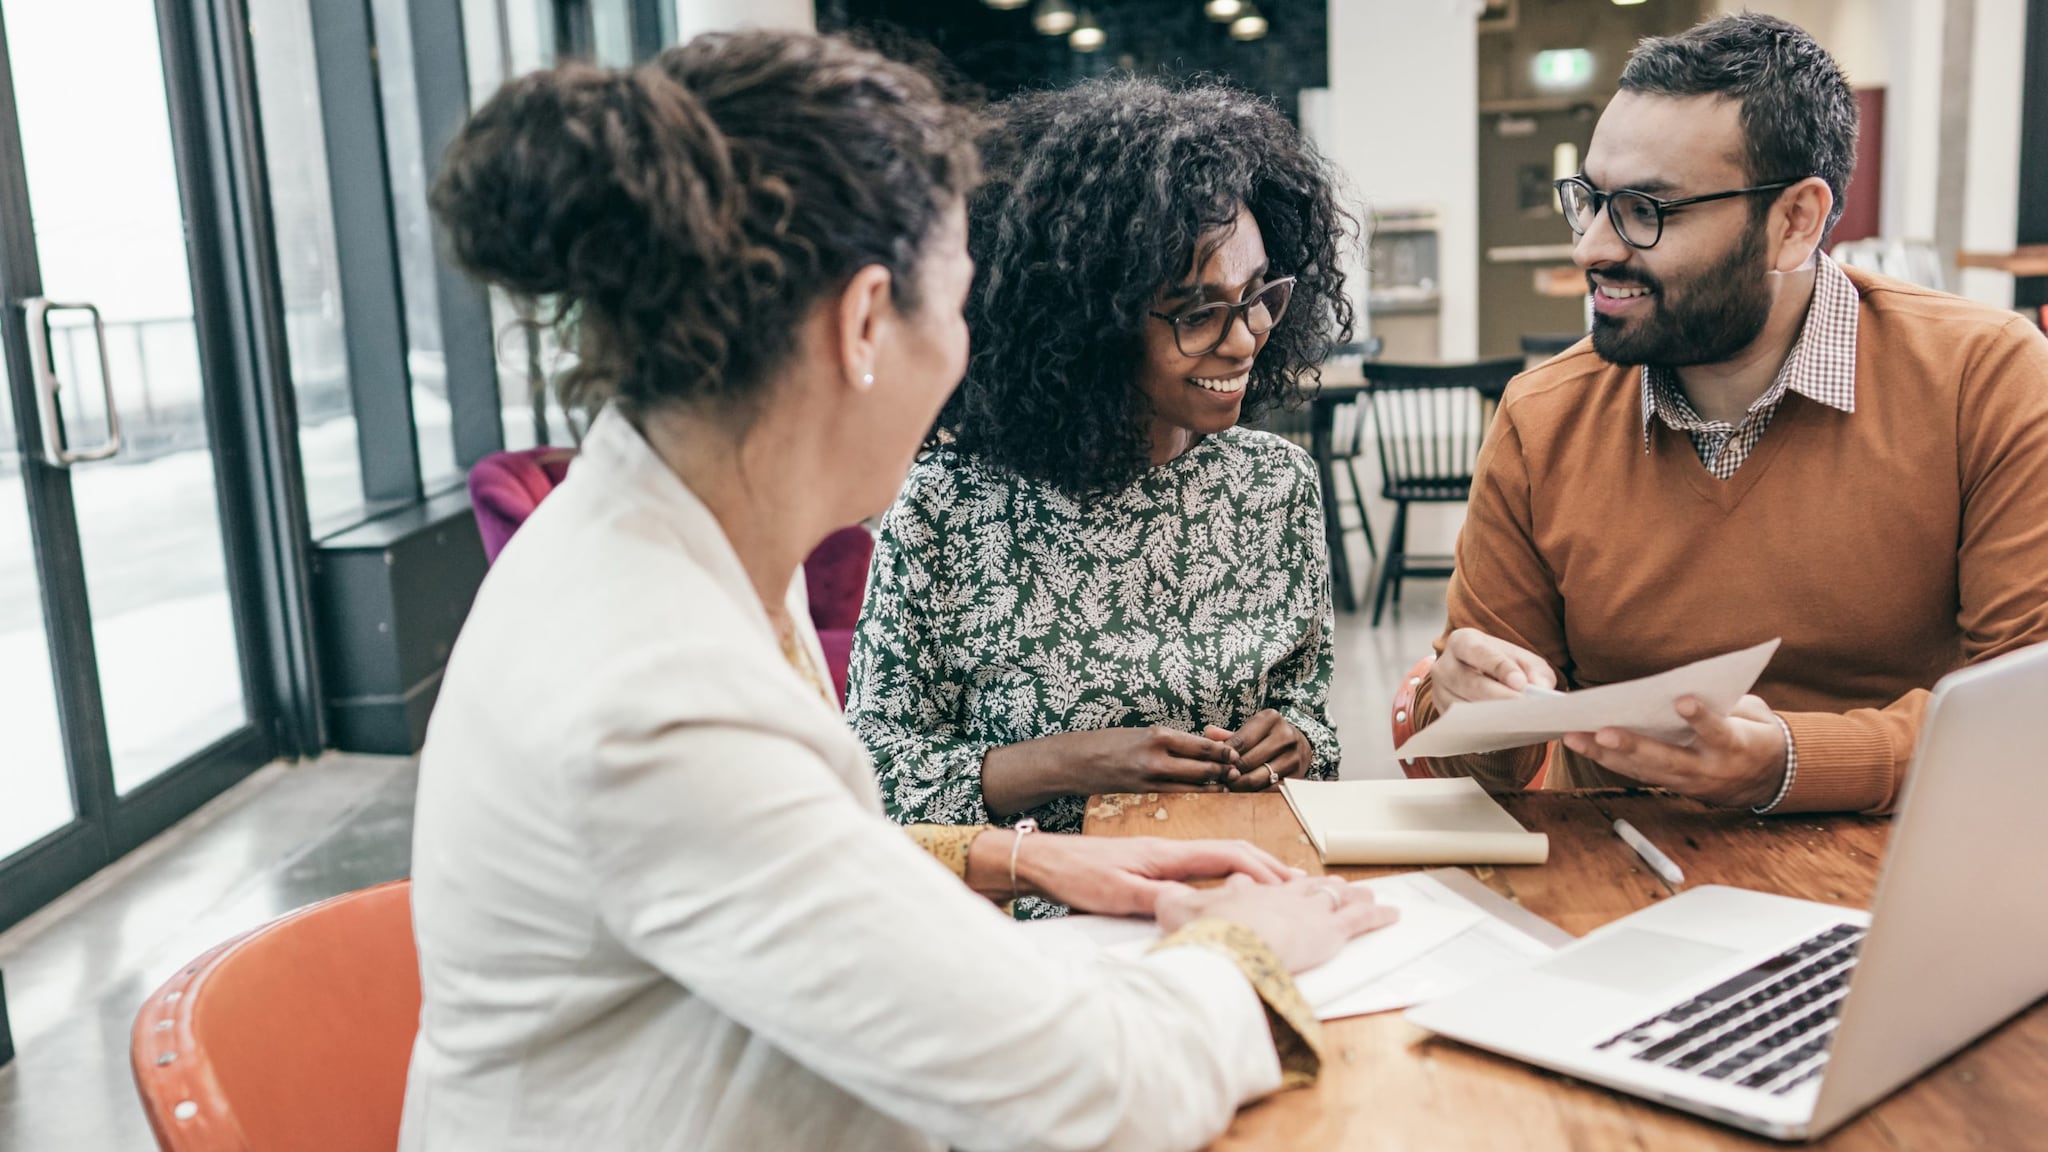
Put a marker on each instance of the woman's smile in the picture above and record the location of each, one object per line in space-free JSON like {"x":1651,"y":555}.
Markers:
{"x":1223,"y":385}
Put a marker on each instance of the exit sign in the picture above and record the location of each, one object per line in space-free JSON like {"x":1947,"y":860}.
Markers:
{"x":1562,"y":68}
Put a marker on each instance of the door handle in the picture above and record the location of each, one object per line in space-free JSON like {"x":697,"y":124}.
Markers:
{"x":57,"y":451}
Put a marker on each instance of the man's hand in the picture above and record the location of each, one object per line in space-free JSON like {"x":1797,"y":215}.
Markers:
{"x":1475,"y":666}
{"x":1737,"y":760}
{"x":1270,"y":748}
{"x":1126,"y":876}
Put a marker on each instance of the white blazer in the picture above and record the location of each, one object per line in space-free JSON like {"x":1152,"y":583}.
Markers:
{"x":658,"y":905}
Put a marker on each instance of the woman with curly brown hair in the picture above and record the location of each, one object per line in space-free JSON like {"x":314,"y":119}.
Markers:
{"x":1098,"y":580}
{"x":657,"y":903}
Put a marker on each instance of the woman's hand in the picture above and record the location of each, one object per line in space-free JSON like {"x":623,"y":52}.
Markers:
{"x":1269,"y":747}
{"x":1304,"y":921}
{"x":1109,"y":875}
{"x":1019,"y":777}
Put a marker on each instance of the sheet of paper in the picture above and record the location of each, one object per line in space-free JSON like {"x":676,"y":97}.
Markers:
{"x":1486,"y":949}
{"x":1643,"y":706}
{"x":1426,"y":923}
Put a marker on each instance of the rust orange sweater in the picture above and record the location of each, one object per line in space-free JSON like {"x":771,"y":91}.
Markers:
{"x":1886,"y":546}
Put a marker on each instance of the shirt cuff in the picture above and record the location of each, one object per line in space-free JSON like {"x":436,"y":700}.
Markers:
{"x":1324,"y":752}
{"x":1791,"y":767}
{"x":1844,"y":765}
{"x":934,"y":782}
{"x":947,"y":843}
{"x":1297,"y":1036}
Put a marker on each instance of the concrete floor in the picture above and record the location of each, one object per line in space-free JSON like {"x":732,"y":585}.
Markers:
{"x":289,"y":835}
{"x":77,"y":970}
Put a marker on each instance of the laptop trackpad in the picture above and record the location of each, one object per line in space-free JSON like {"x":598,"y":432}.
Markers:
{"x":1632,"y":960}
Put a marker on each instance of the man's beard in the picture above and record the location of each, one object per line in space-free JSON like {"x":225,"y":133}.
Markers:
{"x":1720,"y":311}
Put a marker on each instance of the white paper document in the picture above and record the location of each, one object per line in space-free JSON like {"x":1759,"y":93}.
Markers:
{"x":1645,"y":706}
{"x":1441,"y":942}
{"x":1486,"y":949}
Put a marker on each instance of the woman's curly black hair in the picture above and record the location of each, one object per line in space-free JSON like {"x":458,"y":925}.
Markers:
{"x":1095,"y":197}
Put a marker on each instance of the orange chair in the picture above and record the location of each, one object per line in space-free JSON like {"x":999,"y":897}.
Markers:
{"x":1404,"y":725}
{"x":296,"y":1035}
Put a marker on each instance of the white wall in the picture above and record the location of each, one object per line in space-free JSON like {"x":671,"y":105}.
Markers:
{"x":1991,"y":192}
{"x":1401,"y":119}
{"x":697,"y":16}
{"x":1898,"y":44}
{"x":1912,"y":140}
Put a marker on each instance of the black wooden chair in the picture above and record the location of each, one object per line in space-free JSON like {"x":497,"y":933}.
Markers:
{"x":1347,"y":427}
{"x":1318,"y":427}
{"x":1429,"y":420}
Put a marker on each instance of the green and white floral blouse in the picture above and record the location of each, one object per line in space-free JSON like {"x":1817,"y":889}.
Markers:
{"x":1000,"y":610}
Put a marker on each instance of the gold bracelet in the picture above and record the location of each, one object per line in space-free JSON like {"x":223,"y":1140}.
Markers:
{"x":1025,"y":827}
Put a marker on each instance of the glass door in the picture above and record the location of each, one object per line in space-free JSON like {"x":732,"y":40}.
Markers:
{"x":123,"y":673}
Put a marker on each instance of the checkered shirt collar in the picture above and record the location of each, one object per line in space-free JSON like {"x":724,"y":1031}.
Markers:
{"x":1822,"y":366}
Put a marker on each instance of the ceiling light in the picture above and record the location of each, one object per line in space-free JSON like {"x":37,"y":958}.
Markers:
{"x":1087,"y":37}
{"x":1005,"y":5}
{"x":1626,"y":3}
{"x":1053,"y":17}
{"x":1249,"y":26}
{"x":1223,"y":10}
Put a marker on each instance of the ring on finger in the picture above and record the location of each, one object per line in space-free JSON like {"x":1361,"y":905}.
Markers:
{"x":1336,"y":901}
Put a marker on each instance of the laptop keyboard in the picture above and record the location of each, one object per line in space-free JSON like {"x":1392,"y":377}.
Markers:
{"x":1767,"y":1029}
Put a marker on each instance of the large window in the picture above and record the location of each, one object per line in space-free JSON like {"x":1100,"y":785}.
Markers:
{"x":302,"y":214}
{"x":386,"y":366}
{"x":133,"y":665}
{"x":505,"y":39}
{"x":426,"y":356}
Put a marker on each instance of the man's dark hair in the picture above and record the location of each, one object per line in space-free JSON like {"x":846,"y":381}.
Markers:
{"x":1798,"y":114}
{"x":1097,"y":196}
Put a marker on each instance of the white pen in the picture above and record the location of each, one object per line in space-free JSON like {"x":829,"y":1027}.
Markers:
{"x":1657,"y":860}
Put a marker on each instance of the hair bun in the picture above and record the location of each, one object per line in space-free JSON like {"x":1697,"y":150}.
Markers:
{"x":685,"y":215}
{"x":568,"y":179}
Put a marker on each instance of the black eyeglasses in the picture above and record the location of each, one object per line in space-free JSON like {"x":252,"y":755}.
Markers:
{"x":1200,"y":331}
{"x":1638,"y":216}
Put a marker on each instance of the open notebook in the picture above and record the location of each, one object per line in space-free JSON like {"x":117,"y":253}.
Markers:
{"x":1449,"y":821}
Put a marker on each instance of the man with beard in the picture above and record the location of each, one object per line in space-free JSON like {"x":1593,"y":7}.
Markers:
{"x":1755,"y":443}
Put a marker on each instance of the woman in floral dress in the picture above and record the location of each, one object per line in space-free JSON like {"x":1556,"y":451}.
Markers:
{"x":1097,"y":580}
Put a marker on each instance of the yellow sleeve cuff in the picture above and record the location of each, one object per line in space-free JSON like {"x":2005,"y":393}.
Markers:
{"x":1297,"y":1035}
{"x":947,"y":843}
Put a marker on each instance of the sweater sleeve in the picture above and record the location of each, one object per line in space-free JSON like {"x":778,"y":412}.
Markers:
{"x":902,"y":697}
{"x":1502,"y":587}
{"x":1857,"y":760}
{"x":1299,"y":685}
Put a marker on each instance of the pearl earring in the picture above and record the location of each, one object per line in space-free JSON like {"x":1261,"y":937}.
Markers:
{"x":868,"y":378}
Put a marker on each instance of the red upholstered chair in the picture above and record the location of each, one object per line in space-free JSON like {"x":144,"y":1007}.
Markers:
{"x":836,"y":580}
{"x":505,"y":488}
{"x":1404,"y":725}
{"x":296,"y":1035}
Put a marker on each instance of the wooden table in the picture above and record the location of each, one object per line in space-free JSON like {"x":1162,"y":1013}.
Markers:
{"x":1388,"y":1084}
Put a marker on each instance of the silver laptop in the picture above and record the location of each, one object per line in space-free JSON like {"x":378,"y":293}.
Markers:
{"x":1787,"y":1017}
